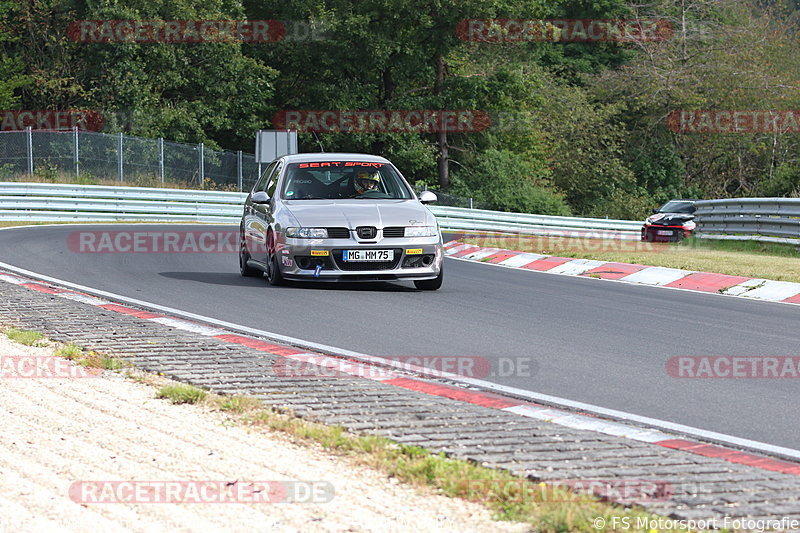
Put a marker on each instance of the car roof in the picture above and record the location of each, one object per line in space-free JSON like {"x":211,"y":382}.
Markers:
{"x":333,"y":156}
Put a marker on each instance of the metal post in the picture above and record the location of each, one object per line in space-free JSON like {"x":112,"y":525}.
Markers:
{"x":29,"y":132}
{"x":470,"y":203}
{"x":258,"y":177}
{"x":239,"y":169}
{"x":161,"y":159}
{"x":75,"y":151}
{"x":201,"y":150}
{"x":119,"y":157}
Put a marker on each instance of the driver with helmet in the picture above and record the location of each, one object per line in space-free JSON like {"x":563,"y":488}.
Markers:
{"x":366,"y":180}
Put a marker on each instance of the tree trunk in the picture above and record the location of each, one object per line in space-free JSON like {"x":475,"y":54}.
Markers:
{"x":444,"y":152}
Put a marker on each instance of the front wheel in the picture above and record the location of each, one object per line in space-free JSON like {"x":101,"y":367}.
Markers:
{"x":431,"y":284}
{"x":274,"y":276}
{"x":244,"y":269}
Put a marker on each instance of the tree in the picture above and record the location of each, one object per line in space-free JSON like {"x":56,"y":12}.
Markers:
{"x":11,"y":67}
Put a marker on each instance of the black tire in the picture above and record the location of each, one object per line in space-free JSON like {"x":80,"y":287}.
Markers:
{"x":431,"y":284}
{"x":274,"y":276}
{"x":244,"y":269}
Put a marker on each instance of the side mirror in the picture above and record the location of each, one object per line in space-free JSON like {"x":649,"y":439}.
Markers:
{"x":655,"y":210}
{"x":427,"y":197}
{"x":260,"y":197}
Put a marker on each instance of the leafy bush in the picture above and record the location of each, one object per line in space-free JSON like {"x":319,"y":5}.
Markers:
{"x":506,"y":181}
{"x":784,"y":182}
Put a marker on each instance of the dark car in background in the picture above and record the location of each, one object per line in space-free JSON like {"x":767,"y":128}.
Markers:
{"x":672,"y":222}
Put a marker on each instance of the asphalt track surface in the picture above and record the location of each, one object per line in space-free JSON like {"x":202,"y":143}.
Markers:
{"x":593,"y":341}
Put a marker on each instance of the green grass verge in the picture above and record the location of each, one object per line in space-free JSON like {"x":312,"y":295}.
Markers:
{"x":89,"y":359}
{"x":738,"y":258}
{"x":24,"y":336}
{"x":180,"y":393}
{"x":549,"y":509}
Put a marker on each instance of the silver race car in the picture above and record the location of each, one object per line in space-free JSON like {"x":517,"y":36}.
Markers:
{"x":339,"y":217}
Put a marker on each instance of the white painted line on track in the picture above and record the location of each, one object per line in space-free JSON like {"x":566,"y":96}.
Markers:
{"x":82,"y":298}
{"x":189,"y":326}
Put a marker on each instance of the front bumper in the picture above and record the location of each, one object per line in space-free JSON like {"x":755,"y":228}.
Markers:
{"x":416,"y":258}
{"x":656,"y":233}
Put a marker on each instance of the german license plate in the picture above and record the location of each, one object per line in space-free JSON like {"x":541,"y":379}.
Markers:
{"x":664,"y":232}
{"x":367,"y":255}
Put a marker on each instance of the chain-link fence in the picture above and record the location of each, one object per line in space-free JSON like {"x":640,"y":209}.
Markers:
{"x":99,"y":158}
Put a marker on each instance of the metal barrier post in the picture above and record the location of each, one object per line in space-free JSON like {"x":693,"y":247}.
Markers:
{"x":119,"y":157}
{"x":201,"y":150}
{"x":161,"y":159}
{"x":239,"y":168}
{"x":29,"y":136}
{"x":75,"y":151}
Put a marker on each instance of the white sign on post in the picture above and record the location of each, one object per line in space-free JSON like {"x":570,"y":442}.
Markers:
{"x":272,"y":144}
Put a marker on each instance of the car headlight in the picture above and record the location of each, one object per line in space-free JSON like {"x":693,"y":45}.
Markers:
{"x":307,"y":233}
{"x":420,"y":231}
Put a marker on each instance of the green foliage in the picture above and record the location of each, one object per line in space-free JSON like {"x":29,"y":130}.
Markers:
{"x":592,"y":140}
{"x":24,"y":336}
{"x":507,"y":181}
{"x":191,"y":92}
{"x":11,"y":66}
{"x":785,"y":181}
{"x":180,"y":393}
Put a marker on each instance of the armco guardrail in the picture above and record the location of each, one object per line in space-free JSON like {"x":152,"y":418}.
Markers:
{"x":55,"y":202}
{"x":776,"y":219}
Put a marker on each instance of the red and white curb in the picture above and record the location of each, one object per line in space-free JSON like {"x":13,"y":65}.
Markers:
{"x":364,"y":366}
{"x":753,"y":288}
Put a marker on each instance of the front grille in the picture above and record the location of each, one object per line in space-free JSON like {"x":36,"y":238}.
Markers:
{"x":366,"y":232}
{"x":394,"y":232}
{"x":370,"y":265}
{"x":338,"y":233}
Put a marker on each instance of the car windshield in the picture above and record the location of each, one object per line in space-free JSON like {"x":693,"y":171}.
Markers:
{"x":677,"y":207}
{"x":343,"y":179}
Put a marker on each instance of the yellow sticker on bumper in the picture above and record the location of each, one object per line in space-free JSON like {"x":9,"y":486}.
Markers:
{"x":320,"y":253}
{"x":413,"y":251}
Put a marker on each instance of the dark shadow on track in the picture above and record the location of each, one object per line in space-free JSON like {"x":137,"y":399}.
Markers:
{"x":235,"y":280}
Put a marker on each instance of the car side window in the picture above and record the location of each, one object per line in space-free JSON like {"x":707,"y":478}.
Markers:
{"x":261,"y":183}
{"x":273,"y":180}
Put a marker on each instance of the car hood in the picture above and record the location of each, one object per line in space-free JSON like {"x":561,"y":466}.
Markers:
{"x":353,"y":213}
{"x":669,"y":219}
